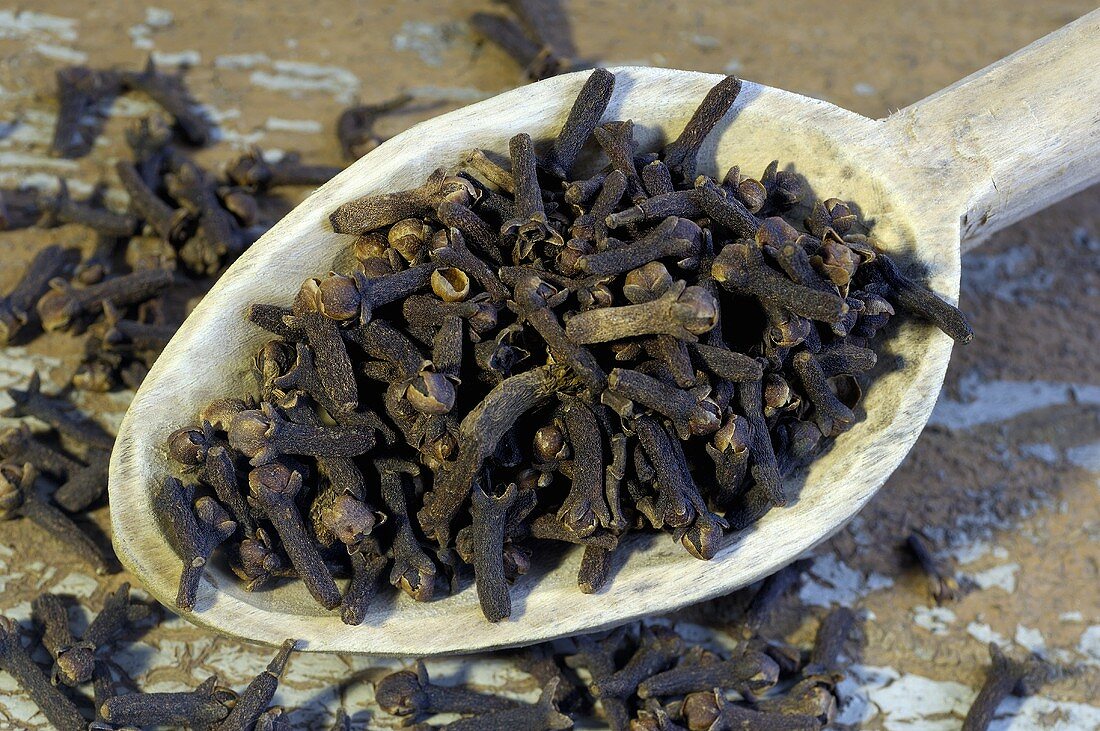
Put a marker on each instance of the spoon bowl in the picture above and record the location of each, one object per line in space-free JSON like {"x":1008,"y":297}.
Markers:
{"x":893,"y":170}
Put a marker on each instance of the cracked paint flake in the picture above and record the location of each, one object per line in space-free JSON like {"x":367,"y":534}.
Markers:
{"x":29,"y":24}
{"x":429,"y":41}
{"x":831,"y":582}
{"x":1086,"y":456}
{"x":296,"y":78}
{"x":1089,"y":645}
{"x":936,"y":620}
{"x":60,"y":53}
{"x":1002,"y":577}
{"x":990,"y":402}
{"x":984,"y":633}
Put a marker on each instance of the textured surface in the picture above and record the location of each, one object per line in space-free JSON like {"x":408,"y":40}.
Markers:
{"x":1007,"y":475}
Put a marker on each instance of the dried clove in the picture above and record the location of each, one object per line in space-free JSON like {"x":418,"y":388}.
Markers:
{"x":942,"y":582}
{"x":355,"y":126}
{"x":171,"y":95}
{"x":538,"y":61}
{"x":680,"y":154}
{"x":274,"y":486}
{"x":411,"y":693}
{"x":747,"y":673}
{"x":197,"y":526}
{"x":583,"y":117}
{"x":19,"y":498}
{"x":257,"y":696}
{"x":17,"y":309}
{"x":659,"y":647}
{"x":73,"y":660}
{"x":1006,"y":677}
{"x":206,"y":705}
{"x":254,"y":173}
{"x":63,"y":307}
{"x":55,"y":705}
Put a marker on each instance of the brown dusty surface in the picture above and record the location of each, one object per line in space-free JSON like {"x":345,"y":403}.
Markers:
{"x":1006,"y":478}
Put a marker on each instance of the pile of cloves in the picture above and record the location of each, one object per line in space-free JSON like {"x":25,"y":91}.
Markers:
{"x":651,"y":678}
{"x":517,"y":355}
{"x":116,"y":702}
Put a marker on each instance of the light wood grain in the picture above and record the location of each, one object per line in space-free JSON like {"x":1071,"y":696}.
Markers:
{"x":840,"y":153}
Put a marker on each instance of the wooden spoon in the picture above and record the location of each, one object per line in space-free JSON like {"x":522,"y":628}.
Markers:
{"x":955,"y":167}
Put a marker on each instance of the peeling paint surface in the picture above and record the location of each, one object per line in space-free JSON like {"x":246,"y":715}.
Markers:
{"x":1004,"y":481}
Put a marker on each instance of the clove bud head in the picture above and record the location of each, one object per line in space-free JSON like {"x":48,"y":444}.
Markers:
{"x":697,"y":310}
{"x":402,"y":693}
{"x":450,"y":284}
{"x":250,"y":432}
{"x":340,"y":298}
{"x":274,"y":479}
{"x":350,"y":519}
{"x":431,"y":393}
{"x":408,"y":237}
{"x":188,"y":446}
{"x":549,"y":443}
{"x":14,"y":481}
{"x":647,"y":283}
{"x":733,"y":436}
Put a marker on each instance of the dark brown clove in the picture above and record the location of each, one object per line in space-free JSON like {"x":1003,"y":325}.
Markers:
{"x":57,"y":413}
{"x":689,"y":411}
{"x":726,"y":209}
{"x":18,"y":443}
{"x":680,"y":155}
{"x":923,"y":302}
{"x":355,"y":125}
{"x":540,"y":716}
{"x":532,"y":303}
{"x":683,"y":312}
{"x":456,"y":215}
{"x":675,"y":237}
{"x":73,"y":660}
{"x":748,"y":673}
{"x":818,"y":392}
{"x":63,"y":307}
{"x":584,"y":115}
{"x":253,"y":172}
{"x":206,"y":705}
{"x":264,"y":434}
{"x":413,"y":571}
{"x":58,"y":209}
{"x":411,"y":693}
{"x":55,"y":705}
{"x":370,"y":213}
{"x":257,"y":696}
{"x":86,"y":485}
{"x":941,"y":580}
{"x":217,"y":234}
{"x":658,"y":648}
{"x":617,"y":141}
{"x":486,"y":539}
{"x":171,"y":95}
{"x":538,"y":61}
{"x":722,"y":715}
{"x":273,"y":487}
{"x":829,"y":642}
{"x":170,"y":224}
{"x":479,"y":433}
{"x":197,"y":528}
{"x":17,"y":309}
{"x":1006,"y":677}
{"x":530,"y":225}
{"x":740,"y":267}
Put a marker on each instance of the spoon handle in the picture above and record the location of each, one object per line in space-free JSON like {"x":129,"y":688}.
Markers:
{"x":1013,"y":138}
